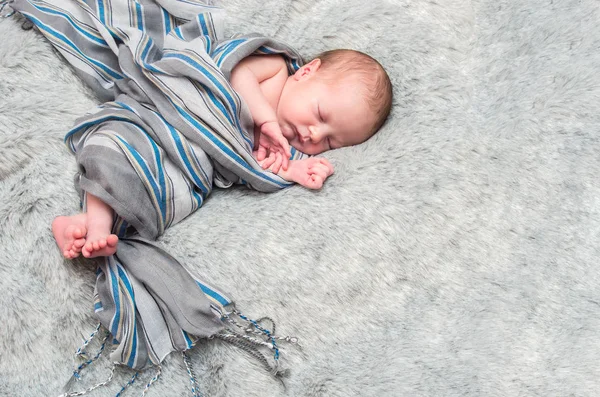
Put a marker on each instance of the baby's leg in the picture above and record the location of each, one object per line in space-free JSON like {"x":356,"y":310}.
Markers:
{"x":98,"y":240}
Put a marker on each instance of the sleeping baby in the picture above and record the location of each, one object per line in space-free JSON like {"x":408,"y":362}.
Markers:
{"x":340,"y":98}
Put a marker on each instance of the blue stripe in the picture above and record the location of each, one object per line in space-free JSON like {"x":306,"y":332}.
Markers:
{"x":208,"y":44}
{"x":123,"y":277}
{"x":205,"y":30}
{"x":133,"y":355}
{"x":224,"y":91}
{"x":197,"y":182}
{"x":295,"y":64}
{"x":167,"y":21}
{"x":147,"y":47}
{"x":142,"y":163}
{"x":159,"y":162}
{"x":94,"y":122}
{"x":140,"y":17}
{"x":223,"y":50}
{"x":64,"y":39}
{"x":204,"y":188}
{"x":217,"y":103}
{"x":231,"y":154}
{"x":115,"y":293}
{"x":185,"y":159}
{"x":123,"y":229}
{"x":195,"y":3}
{"x":204,"y":71}
{"x":177,"y":31}
{"x":267,"y":50}
{"x":188,"y":341}
{"x":214,"y":294}
{"x":73,"y":24}
{"x":220,"y":48}
{"x":232,"y":46}
{"x":100,"y":5}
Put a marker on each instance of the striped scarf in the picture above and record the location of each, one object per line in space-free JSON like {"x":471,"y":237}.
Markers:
{"x":170,"y":128}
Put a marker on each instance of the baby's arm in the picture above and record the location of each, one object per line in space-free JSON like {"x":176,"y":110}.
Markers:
{"x":310,"y":172}
{"x":247,"y":78}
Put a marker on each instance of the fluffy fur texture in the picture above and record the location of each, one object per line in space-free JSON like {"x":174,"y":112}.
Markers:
{"x":455,"y":253}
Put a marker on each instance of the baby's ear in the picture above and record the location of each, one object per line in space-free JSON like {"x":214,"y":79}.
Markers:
{"x":308,"y":70}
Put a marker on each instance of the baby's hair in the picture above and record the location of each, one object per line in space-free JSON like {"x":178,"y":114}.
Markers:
{"x":377,"y":84}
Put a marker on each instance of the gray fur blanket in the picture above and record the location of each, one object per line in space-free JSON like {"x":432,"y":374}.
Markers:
{"x":453,"y":254}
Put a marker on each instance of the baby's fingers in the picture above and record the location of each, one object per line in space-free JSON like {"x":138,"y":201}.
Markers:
{"x":277,"y":163}
{"x":269,"y":161}
{"x":285,"y":145}
{"x":261,"y":153}
{"x":320,"y":170}
{"x":327,"y":164}
{"x":314,"y":182}
{"x":285,"y":161}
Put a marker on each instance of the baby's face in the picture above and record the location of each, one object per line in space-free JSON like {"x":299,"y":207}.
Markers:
{"x":316,"y":116}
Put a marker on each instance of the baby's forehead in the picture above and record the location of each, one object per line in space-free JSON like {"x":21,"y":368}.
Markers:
{"x":352,"y":93}
{"x":351,"y":83}
{"x":347,"y":106}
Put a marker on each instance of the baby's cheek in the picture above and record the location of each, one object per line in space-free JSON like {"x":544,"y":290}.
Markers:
{"x":315,"y":149}
{"x":322,"y":146}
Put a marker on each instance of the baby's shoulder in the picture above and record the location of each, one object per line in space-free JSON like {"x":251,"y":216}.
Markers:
{"x":264,"y":67}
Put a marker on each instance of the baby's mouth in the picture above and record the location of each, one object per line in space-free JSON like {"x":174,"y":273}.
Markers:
{"x":297,"y":133}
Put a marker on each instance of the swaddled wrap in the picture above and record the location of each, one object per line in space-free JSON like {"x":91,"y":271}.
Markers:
{"x":171,"y":128}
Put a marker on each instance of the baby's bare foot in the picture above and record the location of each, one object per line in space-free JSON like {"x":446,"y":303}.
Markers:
{"x":69,"y":233}
{"x":99,"y":243}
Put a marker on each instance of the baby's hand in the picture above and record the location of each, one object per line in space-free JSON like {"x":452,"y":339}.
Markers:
{"x":310,"y":173}
{"x":271,"y":142}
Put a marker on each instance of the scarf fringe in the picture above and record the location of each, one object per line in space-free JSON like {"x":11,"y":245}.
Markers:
{"x":243,"y":332}
{"x":6,"y":10}
{"x":81,"y":353}
{"x":261,"y":337}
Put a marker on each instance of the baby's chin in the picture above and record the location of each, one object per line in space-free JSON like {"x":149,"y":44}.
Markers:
{"x":296,"y":145}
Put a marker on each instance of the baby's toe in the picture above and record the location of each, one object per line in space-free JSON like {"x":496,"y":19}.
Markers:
{"x":79,"y":243}
{"x":89,"y":247}
{"x":112,"y":240}
{"x":79,"y":232}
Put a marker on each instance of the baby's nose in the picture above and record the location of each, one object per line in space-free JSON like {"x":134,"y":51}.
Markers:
{"x":312,"y":134}
{"x":305,"y":135}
